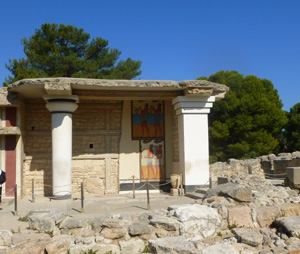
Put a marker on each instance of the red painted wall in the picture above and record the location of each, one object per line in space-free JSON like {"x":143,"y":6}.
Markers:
{"x":11,"y":117}
{"x":10,"y":163}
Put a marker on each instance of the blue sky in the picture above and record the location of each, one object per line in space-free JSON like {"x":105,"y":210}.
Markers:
{"x":176,"y":39}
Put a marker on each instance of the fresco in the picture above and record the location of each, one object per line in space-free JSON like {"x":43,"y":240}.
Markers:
{"x":152,"y":160}
{"x":147,"y":119}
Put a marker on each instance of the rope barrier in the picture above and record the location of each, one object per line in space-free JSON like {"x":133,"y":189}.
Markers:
{"x":9,"y":191}
{"x":57,"y":186}
{"x":152,"y":185}
{"x":129,"y":179}
{"x":141,"y":186}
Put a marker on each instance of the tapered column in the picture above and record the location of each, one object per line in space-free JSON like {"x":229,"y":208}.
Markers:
{"x":192,"y":115}
{"x":62,"y":109}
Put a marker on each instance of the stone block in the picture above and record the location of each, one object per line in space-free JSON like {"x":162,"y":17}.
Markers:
{"x":295,"y":251}
{"x":222,"y":180}
{"x":266,"y":165}
{"x":240,"y":216}
{"x":177,"y":192}
{"x":293,"y":175}
{"x":286,"y":156}
{"x":248,"y":236}
{"x":290,"y":209}
{"x":280,"y":166}
{"x":266,"y":215}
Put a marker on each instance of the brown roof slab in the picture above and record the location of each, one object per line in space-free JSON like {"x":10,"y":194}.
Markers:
{"x":90,"y":88}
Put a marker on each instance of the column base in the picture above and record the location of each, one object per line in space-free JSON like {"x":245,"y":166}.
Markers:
{"x":177,"y":192}
{"x":61,"y":197}
{"x":192,"y":188}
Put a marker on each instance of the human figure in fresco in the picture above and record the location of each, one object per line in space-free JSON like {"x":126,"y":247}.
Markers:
{"x":144,"y":123}
{"x":143,"y":162}
{"x":157,"y":124}
{"x":150,"y":157}
{"x":158,"y":157}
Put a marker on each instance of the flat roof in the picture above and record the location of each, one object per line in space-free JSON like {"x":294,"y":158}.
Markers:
{"x":36,"y":88}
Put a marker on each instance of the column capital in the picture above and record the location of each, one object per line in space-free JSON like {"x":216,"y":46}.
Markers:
{"x":61,"y":104}
{"x":193,"y":105}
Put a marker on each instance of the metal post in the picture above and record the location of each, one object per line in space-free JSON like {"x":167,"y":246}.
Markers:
{"x":16,"y":197}
{"x":32,"y":184}
{"x":133,"y":187}
{"x":82,"y":198}
{"x":148,"y":197}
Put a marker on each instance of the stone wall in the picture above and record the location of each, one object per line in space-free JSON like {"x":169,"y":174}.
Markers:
{"x":96,"y":135}
{"x":235,"y":167}
{"x":40,"y":170}
{"x":276,"y":165}
{"x":271,"y":166}
{"x":248,"y":215}
{"x":37,"y":163}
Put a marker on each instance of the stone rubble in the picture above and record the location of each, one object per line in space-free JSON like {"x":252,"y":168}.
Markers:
{"x":227,"y":220}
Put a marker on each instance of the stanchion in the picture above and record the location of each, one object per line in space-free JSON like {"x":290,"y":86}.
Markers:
{"x":32,"y":187}
{"x":148,"y":197}
{"x":82,"y":198}
{"x":16,"y":198}
{"x":133,"y":187}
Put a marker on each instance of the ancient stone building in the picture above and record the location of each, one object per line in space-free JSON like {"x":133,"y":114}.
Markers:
{"x":62,"y":131}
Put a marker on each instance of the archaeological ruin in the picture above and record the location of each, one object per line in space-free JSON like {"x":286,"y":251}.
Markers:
{"x":60,"y":132}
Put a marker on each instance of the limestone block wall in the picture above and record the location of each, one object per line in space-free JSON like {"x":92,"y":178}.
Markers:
{"x":270,"y":166}
{"x":275,"y":166}
{"x":37,"y":138}
{"x":235,"y":167}
{"x":96,"y":135}
{"x":40,"y":170}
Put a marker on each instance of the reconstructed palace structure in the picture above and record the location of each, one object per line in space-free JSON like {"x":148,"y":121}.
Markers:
{"x":62,"y":131}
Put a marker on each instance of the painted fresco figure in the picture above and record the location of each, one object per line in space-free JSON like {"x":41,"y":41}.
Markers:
{"x":144,"y":123}
{"x":150,"y":162}
{"x":157,"y":124}
{"x":158,"y":157}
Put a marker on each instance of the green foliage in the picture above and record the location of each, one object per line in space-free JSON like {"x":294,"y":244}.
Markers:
{"x":23,"y":219}
{"x":290,"y":141}
{"x":67,"y":51}
{"x":232,"y":226}
{"x":248,"y":121}
{"x":91,"y":251}
{"x":49,"y":233}
{"x":147,"y":250}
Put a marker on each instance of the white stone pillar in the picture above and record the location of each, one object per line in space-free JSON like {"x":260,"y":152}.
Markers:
{"x":61,"y":109}
{"x":192,"y":115}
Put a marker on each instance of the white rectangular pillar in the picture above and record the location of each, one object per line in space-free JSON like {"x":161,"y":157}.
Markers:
{"x":192,"y":115}
{"x":194,"y":153}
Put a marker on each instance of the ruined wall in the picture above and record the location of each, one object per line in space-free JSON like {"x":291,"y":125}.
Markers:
{"x":96,"y":134}
{"x":276,"y":166}
{"x":266,"y":166}
{"x":235,"y":167}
